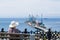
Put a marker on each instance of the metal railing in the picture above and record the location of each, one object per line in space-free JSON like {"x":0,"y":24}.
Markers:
{"x":19,"y":36}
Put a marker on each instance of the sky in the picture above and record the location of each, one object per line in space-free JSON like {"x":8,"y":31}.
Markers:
{"x":22,"y":8}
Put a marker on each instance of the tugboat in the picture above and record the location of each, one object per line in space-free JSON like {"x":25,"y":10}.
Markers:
{"x":32,"y":21}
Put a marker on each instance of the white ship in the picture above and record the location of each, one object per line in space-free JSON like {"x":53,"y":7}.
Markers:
{"x":36,"y":24}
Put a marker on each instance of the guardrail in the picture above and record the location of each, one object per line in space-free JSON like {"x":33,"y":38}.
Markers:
{"x":19,"y":36}
{"x":16,"y":36}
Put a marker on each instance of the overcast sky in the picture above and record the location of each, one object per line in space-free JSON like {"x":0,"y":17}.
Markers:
{"x":22,"y":8}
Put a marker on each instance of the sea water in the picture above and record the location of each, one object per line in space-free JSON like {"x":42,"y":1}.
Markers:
{"x":53,"y":23}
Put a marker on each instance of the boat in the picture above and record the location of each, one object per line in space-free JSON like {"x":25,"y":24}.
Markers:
{"x":33,"y":22}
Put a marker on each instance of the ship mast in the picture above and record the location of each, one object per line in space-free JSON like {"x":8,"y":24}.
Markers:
{"x":42,"y":18}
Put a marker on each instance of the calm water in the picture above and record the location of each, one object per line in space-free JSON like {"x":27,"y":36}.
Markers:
{"x":53,"y":23}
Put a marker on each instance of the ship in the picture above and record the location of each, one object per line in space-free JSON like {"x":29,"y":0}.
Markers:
{"x":33,"y":22}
